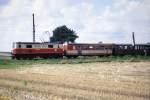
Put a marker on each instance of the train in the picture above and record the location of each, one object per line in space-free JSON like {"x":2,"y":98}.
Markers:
{"x":31,"y":50}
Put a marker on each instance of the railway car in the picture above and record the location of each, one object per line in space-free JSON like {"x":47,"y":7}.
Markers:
{"x":86,"y":49}
{"x":30,"y":50}
{"x":142,"y":49}
{"x":129,"y":49}
{"x":123,"y":49}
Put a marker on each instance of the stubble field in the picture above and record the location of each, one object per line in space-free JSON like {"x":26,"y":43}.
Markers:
{"x":86,"y":81}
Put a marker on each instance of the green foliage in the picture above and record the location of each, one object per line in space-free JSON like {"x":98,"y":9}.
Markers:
{"x":63,"y":34}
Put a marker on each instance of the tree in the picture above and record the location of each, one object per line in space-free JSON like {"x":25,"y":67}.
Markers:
{"x":63,"y":34}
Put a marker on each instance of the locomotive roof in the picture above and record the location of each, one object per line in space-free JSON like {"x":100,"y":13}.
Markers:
{"x":27,"y":42}
{"x":34,"y":43}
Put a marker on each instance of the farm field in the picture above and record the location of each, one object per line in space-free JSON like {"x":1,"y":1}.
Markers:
{"x":82,"y":81}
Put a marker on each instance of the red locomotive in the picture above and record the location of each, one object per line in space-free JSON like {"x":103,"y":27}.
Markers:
{"x":30,"y":50}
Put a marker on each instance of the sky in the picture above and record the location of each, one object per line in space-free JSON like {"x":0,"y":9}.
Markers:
{"x":107,"y":21}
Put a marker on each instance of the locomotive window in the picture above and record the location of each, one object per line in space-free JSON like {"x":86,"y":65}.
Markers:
{"x":28,"y":46}
{"x":19,"y":46}
{"x":50,"y":46}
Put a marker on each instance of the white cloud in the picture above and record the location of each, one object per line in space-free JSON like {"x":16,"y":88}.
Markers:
{"x":117,"y":23}
{"x":114,"y":24}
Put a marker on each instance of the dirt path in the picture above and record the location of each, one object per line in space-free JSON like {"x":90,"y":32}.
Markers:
{"x":94,"y":81}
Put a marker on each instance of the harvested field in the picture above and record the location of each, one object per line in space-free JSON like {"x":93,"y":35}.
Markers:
{"x":86,"y":81}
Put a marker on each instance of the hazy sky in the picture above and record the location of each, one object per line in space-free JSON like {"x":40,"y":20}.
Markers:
{"x":93,"y":20}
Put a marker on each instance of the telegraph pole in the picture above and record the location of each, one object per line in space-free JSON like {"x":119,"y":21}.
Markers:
{"x":33,"y":28}
{"x":133,"y":38}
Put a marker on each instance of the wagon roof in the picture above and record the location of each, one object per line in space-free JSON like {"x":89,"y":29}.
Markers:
{"x":91,"y":44}
{"x":123,"y":44}
{"x":27,"y":42}
{"x":144,"y":44}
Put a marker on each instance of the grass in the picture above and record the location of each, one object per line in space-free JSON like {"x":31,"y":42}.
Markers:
{"x":9,"y":63}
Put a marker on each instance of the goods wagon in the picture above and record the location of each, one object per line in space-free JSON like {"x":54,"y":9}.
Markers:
{"x":123,"y":49}
{"x":142,"y":49}
{"x":129,"y":49}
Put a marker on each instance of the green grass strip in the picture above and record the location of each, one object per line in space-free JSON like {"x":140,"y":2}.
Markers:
{"x":8,"y":64}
